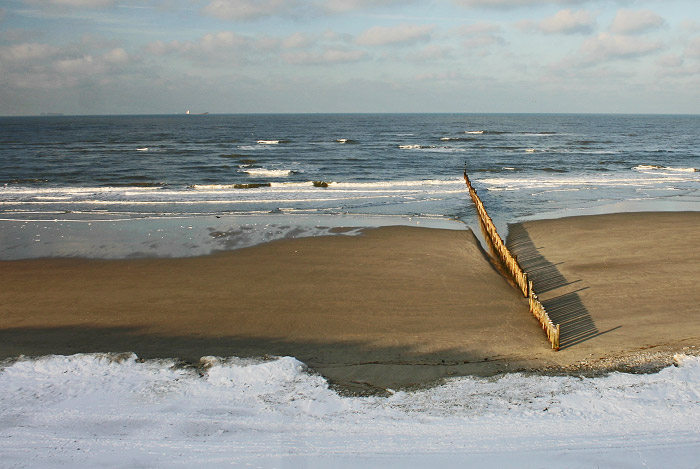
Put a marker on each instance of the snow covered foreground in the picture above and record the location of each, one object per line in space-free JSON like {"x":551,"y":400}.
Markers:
{"x":114,"y":411}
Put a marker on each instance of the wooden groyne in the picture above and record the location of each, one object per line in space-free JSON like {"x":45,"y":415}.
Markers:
{"x":510,"y":263}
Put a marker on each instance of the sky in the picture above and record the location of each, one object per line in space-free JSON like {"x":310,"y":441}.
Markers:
{"x":262,"y":56}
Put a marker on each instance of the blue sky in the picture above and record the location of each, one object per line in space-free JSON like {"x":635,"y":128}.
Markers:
{"x":241,"y":56}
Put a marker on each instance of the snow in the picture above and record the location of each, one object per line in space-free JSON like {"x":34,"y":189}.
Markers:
{"x":114,"y":410}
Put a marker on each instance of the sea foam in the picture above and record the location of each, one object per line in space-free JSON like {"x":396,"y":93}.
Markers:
{"x":272,"y":173}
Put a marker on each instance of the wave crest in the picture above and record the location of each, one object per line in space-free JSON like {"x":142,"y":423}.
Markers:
{"x":655,"y":167}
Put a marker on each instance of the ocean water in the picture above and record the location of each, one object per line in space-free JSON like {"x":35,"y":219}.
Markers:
{"x":271,"y":176}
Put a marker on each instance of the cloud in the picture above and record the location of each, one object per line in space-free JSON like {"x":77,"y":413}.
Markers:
{"x":72,"y":3}
{"x":342,"y":6}
{"x":19,"y":35}
{"x":607,"y":46}
{"x":35,"y":66}
{"x":432,"y":77}
{"x":224,"y":48}
{"x":248,"y":9}
{"x":690,"y":26}
{"x":693,"y":48}
{"x":635,"y":22}
{"x":92,"y":65}
{"x":116,"y":56}
{"x":296,"y":41}
{"x":395,"y":35}
{"x":567,"y":22}
{"x":432,"y":52}
{"x":26,"y":52}
{"x":670,"y":61}
{"x":219,"y":48}
{"x":252,"y":9}
{"x":514,"y":3}
{"x":328,"y":56}
{"x":480,"y":36}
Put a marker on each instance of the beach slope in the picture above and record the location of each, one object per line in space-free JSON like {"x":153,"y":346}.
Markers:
{"x":622,"y":286}
{"x":393,"y":307}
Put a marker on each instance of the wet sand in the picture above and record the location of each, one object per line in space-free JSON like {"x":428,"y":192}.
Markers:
{"x":397,"y":306}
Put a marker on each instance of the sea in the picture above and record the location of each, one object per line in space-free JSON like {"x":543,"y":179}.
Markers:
{"x":185,"y":185}
{"x":161,"y":185}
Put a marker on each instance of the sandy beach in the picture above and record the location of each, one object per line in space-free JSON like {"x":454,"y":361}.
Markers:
{"x":619,"y":284}
{"x":394,"y":307}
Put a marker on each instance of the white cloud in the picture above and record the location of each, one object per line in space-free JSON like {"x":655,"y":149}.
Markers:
{"x":670,"y":61}
{"x":480,"y":36}
{"x":329,"y":56}
{"x":341,"y":6}
{"x":568,"y":22}
{"x":34,"y":66}
{"x":72,"y":3}
{"x":636,"y":21}
{"x":218,"y":41}
{"x":690,"y":26}
{"x":18,"y":35}
{"x":92,"y":65}
{"x":28,"y":51}
{"x":693,"y":48}
{"x":433,"y":52}
{"x":607,"y":46}
{"x":223,"y":48}
{"x":296,"y":40}
{"x":116,"y":56}
{"x":479,"y":29}
{"x":79,"y":66}
{"x":248,"y":9}
{"x":395,"y":35}
{"x":514,"y":3}
{"x":215,"y":48}
{"x":440,"y":77}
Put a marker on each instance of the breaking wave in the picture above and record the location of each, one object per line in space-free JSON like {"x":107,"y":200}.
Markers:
{"x":272,"y":173}
{"x":653,"y":167}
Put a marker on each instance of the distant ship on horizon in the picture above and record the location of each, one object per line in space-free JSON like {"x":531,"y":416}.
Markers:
{"x":191,"y":114}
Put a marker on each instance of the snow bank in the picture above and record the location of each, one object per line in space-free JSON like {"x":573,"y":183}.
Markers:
{"x":113,"y":410}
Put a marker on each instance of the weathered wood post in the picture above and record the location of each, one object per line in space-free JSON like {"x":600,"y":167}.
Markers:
{"x":513,"y":267}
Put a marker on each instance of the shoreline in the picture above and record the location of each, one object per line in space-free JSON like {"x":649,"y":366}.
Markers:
{"x":316,"y":299}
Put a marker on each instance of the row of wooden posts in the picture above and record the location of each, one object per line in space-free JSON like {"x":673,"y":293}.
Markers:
{"x":510,"y":263}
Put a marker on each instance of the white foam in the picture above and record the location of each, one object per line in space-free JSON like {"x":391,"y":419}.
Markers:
{"x":142,"y":149}
{"x":474,"y":132}
{"x":410,"y":147}
{"x":646,"y":167}
{"x":397,"y":184}
{"x":114,"y":410}
{"x":268,"y":142}
{"x":620,"y":180}
{"x":272,"y":173}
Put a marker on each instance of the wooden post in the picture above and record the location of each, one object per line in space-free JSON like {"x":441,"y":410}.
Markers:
{"x":511,"y":264}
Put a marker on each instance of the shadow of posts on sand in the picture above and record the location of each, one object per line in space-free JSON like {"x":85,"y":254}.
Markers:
{"x":567,"y":309}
